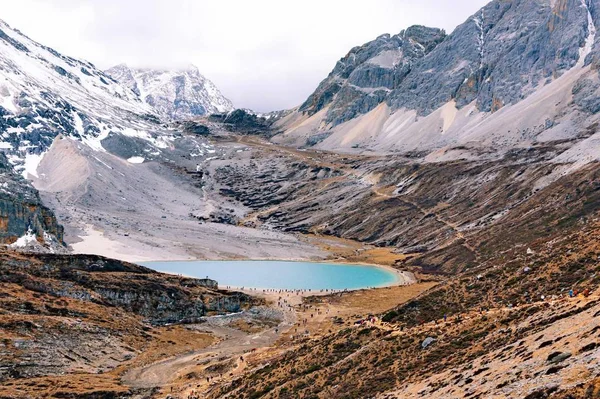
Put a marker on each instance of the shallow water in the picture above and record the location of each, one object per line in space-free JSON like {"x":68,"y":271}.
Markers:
{"x":282,"y":274}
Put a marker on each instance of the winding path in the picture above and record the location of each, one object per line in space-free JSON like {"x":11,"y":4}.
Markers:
{"x":233,"y":343}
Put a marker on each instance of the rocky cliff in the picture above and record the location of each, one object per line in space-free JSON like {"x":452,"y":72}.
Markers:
{"x":24,"y":220}
{"x":500,"y":55}
{"x":157,"y":297}
{"x":367,"y":75}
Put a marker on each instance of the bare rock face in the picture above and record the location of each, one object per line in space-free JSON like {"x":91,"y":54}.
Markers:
{"x":368,"y":73}
{"x":499,"y":55}
{"x":24,"y":220}
{"x":243,"y":121}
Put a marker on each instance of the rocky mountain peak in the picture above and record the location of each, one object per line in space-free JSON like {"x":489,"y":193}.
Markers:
{"x":425,"y":36}
{"x":44,"y":93}
{"x":365,"y":76}
{"x":498,"y":56}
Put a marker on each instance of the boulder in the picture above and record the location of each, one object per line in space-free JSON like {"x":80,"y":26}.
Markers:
{"x":427,"y":341}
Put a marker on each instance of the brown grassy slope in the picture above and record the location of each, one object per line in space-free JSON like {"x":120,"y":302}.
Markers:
{"x":560,"y":224}
{"x":69,"y":324}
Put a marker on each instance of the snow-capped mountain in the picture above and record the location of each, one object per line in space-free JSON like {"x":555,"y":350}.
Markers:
{"x":71,"y":137}
{"x":177,"y":95}
{"x":44,"y":94}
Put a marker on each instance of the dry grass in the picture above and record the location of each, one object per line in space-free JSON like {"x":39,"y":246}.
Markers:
{"x":378,"y":300}
{"x":346,"y":250}
{"x":62,"y":386}
{"x":171,"y":341}
{"x":378,"y":256}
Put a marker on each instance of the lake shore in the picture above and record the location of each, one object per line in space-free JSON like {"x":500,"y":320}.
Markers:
{"x":288,"y":276}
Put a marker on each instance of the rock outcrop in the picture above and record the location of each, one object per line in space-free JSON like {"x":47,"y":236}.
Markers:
{"x":242,"y":121}
{"x":24,"y":220}
{"x":157,"y":297}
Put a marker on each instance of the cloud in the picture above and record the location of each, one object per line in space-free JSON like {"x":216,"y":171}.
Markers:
{"x":262,"y":54}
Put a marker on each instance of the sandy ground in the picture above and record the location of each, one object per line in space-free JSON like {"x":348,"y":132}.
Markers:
{"x":95,"y":242}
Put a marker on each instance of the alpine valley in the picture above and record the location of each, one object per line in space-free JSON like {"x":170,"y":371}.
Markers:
{"x":468,"y":162}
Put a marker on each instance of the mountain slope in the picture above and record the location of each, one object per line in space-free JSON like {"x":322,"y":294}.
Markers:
{"x":175,"y":95}
{"x":515,"y":73}
{"x":49,"y":102}
{"x":44,"y":94}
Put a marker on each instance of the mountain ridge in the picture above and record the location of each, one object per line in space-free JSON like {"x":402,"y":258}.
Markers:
{"x":507,"y":57}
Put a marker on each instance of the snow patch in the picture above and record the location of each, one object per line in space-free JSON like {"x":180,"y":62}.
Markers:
{"x":589,"y":41}
{"x":159,"y":142}
{"x":15,"y":130}
{"x":25,"y":240}
{"x":102,"y":162}
{"x":479,"y":22}
{"x":8,"y":103}
{"x":78,"y":123}
{"x":136,"y":160}
{"x":95,"y":142}
{"x":32,"y":161}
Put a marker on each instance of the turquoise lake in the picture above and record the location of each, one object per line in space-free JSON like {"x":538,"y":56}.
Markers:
{"x":282,"y":274}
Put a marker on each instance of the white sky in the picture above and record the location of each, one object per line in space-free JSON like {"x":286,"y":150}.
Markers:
{"x":262,"y":54}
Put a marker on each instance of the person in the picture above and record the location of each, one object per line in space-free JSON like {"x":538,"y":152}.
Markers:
{"x":571,"y":294}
